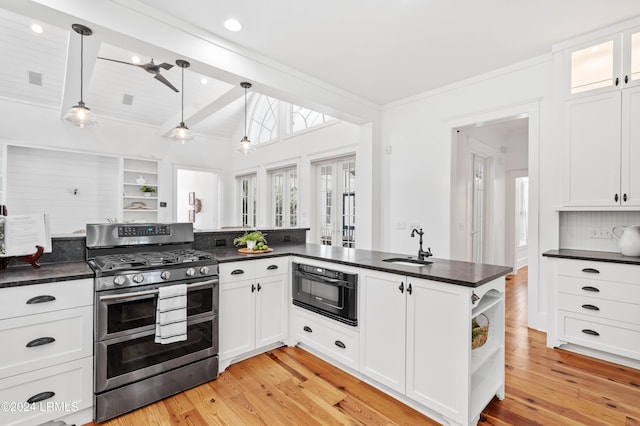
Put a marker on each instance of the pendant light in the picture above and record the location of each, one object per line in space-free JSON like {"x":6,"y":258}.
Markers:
{"x":79,"y":114}
{"x":245,"y":146}
{"x":181,"y":133}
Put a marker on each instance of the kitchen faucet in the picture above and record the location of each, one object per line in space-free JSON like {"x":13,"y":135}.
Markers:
{"x":421,"y":253}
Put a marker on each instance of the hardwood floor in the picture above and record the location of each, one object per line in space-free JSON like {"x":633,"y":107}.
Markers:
{"x":289,"y":386}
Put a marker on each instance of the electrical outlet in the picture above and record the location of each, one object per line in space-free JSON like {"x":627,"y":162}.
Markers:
{"x":601,"y":234}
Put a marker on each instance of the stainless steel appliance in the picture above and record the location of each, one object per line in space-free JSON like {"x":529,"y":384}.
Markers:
{"x":131,"y":263}
{"x":325,"y":291}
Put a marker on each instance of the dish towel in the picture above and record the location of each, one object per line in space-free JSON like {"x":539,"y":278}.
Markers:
{"x":171,"y":314}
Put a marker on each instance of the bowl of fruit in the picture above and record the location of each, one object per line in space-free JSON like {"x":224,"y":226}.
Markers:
{"x":255,"y":242}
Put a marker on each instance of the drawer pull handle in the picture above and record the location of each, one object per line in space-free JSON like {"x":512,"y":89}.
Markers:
{"x":340,"y":344}
{"x":41,"y":299}
{"x":590,"y":288}
{"x":237,"y":272}
{"x":272,"y":267}
{"x":307,"y":329}
{"x":40,"y":397}
{"x":591,"y":271}
{"x":40,"y":341}
{"x":590,"y":332}
{"x":591,"y":307}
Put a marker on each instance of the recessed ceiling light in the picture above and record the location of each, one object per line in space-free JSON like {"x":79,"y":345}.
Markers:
{"x":135,"y":59}
{"x":36,"y":28}
{"x":203,"y":81}
{"x":232,"y":25}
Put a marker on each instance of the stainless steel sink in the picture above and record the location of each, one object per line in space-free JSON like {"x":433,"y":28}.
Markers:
{"x":407,"y":261}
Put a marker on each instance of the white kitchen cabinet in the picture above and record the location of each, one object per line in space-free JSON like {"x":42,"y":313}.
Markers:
{"x":332,"y":339}
{"x":421,"y":346}
{"x":253,"y":306}
{"x":604,"y":64}
{"x":48,"y":354}
{"x":139,"y":206}
{"x":596,"y":306}
{"x":602,"y":149}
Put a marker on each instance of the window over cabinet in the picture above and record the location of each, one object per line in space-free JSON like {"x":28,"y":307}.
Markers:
{"x":335,"y":213}
{"x":284,"y":198}
{"x":248,"y":185}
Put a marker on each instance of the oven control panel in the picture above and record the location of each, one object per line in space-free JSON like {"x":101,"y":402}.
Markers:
{"x":143,"y":230}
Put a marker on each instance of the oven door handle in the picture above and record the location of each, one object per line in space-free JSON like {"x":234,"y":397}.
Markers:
{"x":319,"y":278}
{"x":120,"y":296}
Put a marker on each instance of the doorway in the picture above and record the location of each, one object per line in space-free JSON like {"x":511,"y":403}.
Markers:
{"x":196,"y":197}
{"x":485,"y":155}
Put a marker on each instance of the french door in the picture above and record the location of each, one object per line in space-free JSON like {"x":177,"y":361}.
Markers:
{"x":335,"y":211}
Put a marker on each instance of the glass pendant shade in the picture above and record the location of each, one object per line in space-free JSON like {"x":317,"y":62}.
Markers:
{"x":81,"y":116}
{"x":245,"y":146}
{"x":181,"y":134}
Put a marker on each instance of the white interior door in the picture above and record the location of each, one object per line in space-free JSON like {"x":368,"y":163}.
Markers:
{"x":197,"y":198}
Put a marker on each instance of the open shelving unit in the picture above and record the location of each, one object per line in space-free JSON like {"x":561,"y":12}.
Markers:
{"x":136,"y":205}
{"x":487,"y":361}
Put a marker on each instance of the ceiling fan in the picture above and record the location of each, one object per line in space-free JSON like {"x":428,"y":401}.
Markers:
{"x":151,"y":68}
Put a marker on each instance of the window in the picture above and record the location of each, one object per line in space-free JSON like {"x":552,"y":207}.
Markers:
{"x":522,"y":210}
{"x":263,"y":126}
{"x":302,"y":118}
{"x":248,"y":206}
{"x":284,"y":198}
{"x":336,"y":216}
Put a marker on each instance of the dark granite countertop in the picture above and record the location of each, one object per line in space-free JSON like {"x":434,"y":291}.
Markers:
{"x":448,"y":271}
{"x":597,"y":256}
{"x":51,"y":272}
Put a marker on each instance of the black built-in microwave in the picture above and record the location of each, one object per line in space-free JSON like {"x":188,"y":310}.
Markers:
{"x":327,"y":292}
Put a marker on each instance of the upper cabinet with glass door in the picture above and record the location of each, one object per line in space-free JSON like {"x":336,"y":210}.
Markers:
{"x":609,"y":63}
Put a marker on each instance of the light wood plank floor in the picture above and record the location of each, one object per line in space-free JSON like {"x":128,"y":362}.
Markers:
{"x":289,"y":386}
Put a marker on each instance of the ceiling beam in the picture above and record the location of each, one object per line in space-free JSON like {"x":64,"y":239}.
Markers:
{"x":193,"y":115}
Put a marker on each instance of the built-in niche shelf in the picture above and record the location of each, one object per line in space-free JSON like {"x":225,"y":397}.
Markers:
{"x":136,"y":173}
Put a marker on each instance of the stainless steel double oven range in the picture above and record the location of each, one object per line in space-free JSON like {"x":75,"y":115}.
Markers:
{"x":131,"y":262}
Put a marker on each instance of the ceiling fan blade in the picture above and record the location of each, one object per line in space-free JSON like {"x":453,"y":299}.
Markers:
{"x":121,"y":62}
{"x":165,"y":81}
{"x":165,"y":65}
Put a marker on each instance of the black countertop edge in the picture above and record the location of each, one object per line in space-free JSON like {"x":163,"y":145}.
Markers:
{"x":448,"y":271}
{"x":243,"y":230}
{"x":596,"y":256}
{"x":47,"y":273}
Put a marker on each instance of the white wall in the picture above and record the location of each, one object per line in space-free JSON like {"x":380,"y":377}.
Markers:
{"x":418,"y":170}
{"x":25,"y":124}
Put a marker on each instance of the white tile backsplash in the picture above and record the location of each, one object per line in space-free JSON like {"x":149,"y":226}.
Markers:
{"x":576,"y":229}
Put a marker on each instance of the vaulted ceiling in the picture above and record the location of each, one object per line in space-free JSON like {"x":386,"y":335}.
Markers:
{"x":364,"y":53}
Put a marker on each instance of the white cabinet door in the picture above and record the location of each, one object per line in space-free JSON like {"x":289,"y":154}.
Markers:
{"x":383,"y":328}
{"x":237,"y":318}
{"x":271,"y":309}
{"x":630,"y":147}
{"x":438,"y":336}
{"x":592,"y":150}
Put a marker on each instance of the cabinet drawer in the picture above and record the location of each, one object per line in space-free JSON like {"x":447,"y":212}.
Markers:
{"x":616,"y":338}
{"x":236,"y":271}
{"x":42,"y":340}
{"x":600,"y":308}
{"x":600,"y":270}
{"x":600,"y":289}
{"x":39,"y":298}
{"x":271,"y":266}
{"x":70,"y":383}
{"x":333,"y":340}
